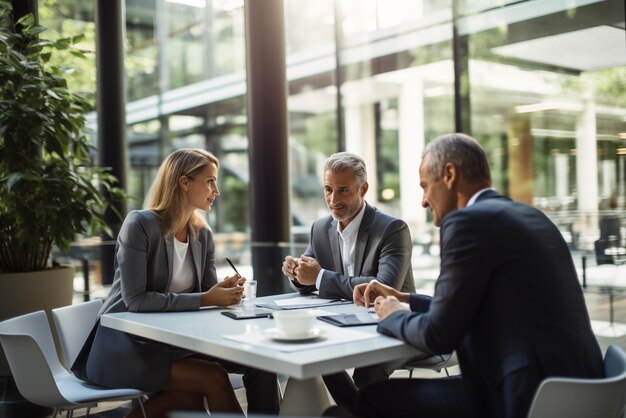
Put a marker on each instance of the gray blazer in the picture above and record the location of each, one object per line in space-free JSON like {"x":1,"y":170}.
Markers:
{"x":144,"y":263}
{"x":383,"y":252}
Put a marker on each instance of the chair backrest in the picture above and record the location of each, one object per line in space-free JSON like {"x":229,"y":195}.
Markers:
{"x":580,"y":398}
{"x":29,"y":349}
{"x":74,"y":323}
{"x":610,"y":225}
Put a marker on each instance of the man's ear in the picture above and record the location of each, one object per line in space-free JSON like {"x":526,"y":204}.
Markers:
{"x":364,"y":188}
{"x":183,"y":182}
{"x":450,"y":175}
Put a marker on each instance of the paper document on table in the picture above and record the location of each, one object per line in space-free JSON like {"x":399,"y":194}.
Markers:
{"x":305,"y":300}
{"x":299,"y":302}
{"x":328,"y":335}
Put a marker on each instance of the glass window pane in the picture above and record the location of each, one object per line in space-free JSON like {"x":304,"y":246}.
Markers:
{"x":549,"y":104}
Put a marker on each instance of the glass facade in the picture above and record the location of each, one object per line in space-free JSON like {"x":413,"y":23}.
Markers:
{"x":540,"y":83}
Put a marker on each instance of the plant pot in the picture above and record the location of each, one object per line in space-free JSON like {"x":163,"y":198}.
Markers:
{"x":22,"y":293}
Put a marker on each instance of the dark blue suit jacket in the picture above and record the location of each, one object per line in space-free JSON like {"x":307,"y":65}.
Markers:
{"x":508,"y":301}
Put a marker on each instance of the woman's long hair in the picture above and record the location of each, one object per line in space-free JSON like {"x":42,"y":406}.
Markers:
{"x":167,"y":199}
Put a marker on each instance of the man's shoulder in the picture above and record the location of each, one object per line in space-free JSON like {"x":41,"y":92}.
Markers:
{"x":381,"y":218}
{"x":493,"y":211}
{"x":500,"y":203}
{"x":323,"y":221}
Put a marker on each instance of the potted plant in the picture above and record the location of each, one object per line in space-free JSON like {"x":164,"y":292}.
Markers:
{"x":49,"y":184}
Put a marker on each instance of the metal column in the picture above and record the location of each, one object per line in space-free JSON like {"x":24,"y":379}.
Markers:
{"x":268,"y":148}
{"x":110,"y":30}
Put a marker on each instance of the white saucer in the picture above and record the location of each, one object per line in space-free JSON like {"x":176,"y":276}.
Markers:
{"x":275,"y":334}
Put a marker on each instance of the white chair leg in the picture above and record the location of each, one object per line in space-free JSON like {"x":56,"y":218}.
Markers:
{"x":143,"y":411}
{"x":280,"y":390}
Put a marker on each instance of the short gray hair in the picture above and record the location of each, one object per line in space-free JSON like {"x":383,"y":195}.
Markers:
{"x":347,"y":161}
{"x":461,"y":150}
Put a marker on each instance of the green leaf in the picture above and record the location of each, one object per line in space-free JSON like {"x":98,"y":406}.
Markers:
{"x":40,"y":43}
{"x":27,"y":21}
{"x":13,"y":179}
{"x":53,"y":94}
{"x":63,"y":43}
{"x":33,"y":31}
{"x":77,"y":53}
{"x":78,"y":38}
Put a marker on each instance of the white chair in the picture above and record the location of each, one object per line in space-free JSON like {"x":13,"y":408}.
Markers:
{"x":559,"y":397}
{"x":73,"y":324}
{"x":436,"y":363}
{"x":39,"y":375}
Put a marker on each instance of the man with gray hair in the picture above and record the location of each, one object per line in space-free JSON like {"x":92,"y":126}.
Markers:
{"x":355,"y":244}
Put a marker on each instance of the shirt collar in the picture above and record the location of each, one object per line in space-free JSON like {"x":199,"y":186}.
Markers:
{"x":475,"y":196}
{"x":353,"y":227}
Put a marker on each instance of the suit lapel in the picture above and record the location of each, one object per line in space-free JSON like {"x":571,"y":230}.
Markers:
{"x":169,"y":250}
{"x":333,"y":238}
{"x":362,"y":238}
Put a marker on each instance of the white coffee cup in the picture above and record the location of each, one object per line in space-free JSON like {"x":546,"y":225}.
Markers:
{"x":295,"y":323}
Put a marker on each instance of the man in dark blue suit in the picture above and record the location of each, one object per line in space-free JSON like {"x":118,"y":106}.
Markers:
{"x":507,"y":300}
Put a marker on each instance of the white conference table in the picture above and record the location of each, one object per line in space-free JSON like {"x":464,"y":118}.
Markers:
{"x":202,"y":332}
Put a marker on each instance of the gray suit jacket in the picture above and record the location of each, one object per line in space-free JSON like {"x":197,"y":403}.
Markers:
{"x":144,"y":263}
{"x":383,"y":252}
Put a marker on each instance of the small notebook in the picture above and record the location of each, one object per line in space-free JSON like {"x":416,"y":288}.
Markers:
{"x":350,"y":320}
{"x":248,"y":314}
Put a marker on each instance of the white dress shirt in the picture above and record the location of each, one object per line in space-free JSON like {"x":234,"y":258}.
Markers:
{"x":475,"y":196}
{"x":347,"y":245}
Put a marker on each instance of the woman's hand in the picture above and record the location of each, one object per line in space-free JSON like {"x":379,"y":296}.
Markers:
{"x":225,"y":293}
{"x":231,"y":281}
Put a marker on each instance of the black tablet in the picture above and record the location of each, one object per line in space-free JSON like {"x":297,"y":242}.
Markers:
{"x":350,"y":320}
{"x":248,"y":314}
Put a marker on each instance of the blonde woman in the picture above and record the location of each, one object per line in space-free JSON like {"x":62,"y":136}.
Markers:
{"x":165,"y":261}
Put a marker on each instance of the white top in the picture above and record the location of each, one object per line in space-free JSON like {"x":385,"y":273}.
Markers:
{"x":182,"y":278}
{"x":347,"y":245}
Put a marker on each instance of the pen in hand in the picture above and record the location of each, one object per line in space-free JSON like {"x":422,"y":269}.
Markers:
{"x":233,"y":266}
